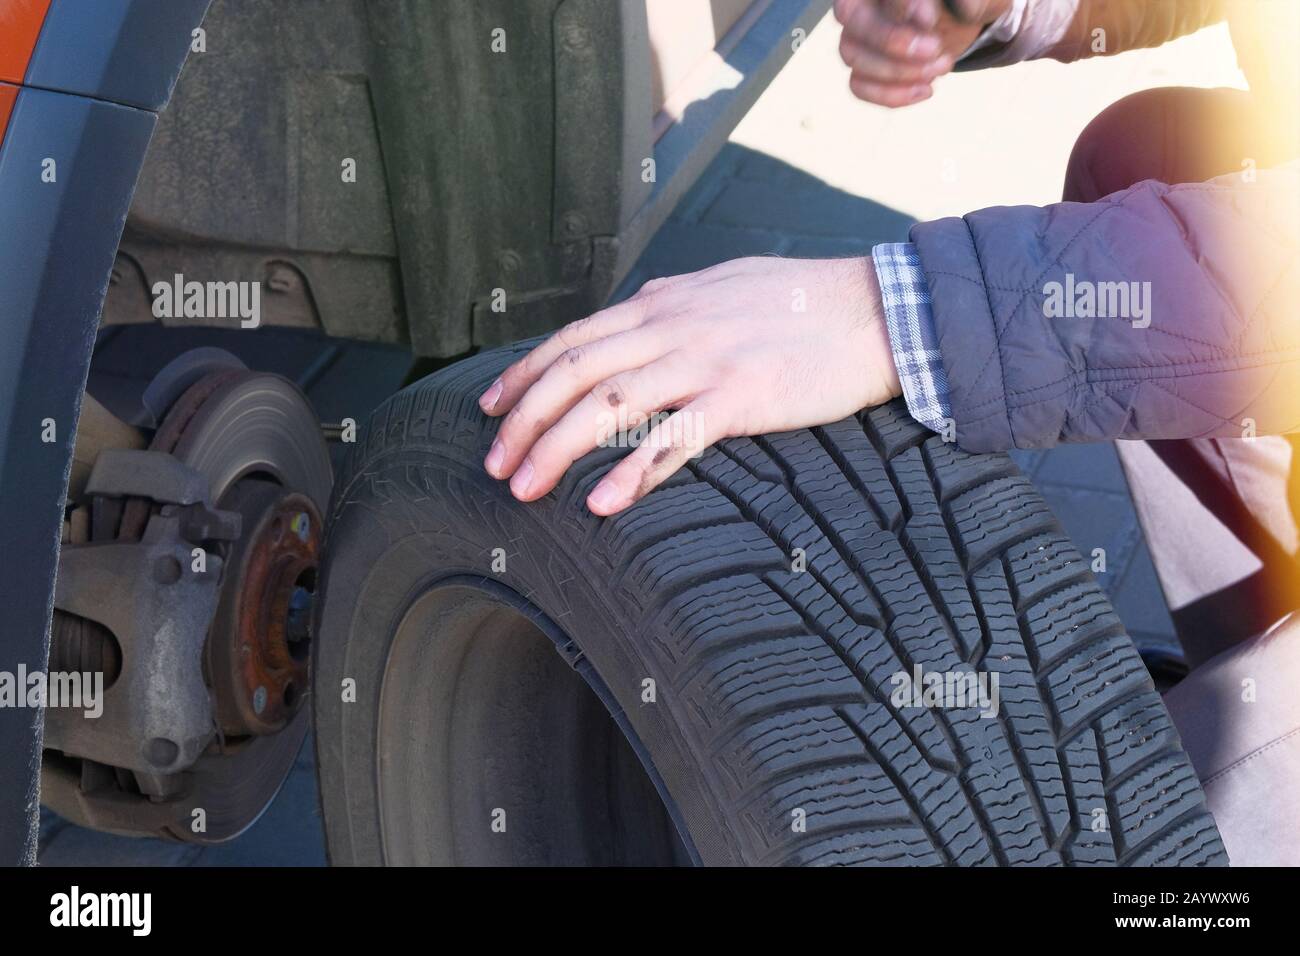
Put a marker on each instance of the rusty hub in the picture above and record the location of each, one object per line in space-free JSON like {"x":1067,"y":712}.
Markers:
{"x":257,"y":651}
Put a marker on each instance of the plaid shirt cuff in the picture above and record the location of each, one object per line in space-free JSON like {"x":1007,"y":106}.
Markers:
{"x":910,"y":321}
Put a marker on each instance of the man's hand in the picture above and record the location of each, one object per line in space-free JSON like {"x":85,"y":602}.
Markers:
{"x":746,"y":347}
{"x":897,"y":48}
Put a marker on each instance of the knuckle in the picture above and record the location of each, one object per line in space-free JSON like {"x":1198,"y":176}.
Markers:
{"x":639,"y":477}
{"x":859,"y":21}
{"x":561,"y":341}
{"x":651,"y":286}
{"x":569,"y":335}
{"x":900,"y":97}
{"x":869,"y":96}
{"x":848,"y":49}
{"x":850,"y":14}
{"x":544,"y":450}
{"x":610,"y":393}
{"x":572,"y":360}
{"x":660,"y":461}
{"x":894,"y":40}
{"x":531,"y":364}
{"x":671,"y":316}
{"x":516,"y":369}
{"x":664,"y":456}
{"x":896,"y":72}
{"x":515,"y":418}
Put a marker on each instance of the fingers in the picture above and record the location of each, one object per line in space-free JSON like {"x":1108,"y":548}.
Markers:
{"x":869,"y":26}
{"x":670,"y":444}
{"x":883,"y":94}
{"x":616,"y":405}
{"x":922,"y":13}
{"x":591,"y":379}
{"x":892,"y":50}
{"x":502,"y":394}
{"x":550,"y":394}
{"x":870,"y":65}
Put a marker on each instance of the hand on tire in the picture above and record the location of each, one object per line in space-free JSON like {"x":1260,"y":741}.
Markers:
{"x":898,"y":48}
{"x":747,"y":347}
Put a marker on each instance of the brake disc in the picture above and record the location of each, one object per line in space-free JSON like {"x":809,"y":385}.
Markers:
{"x":258,"y":442}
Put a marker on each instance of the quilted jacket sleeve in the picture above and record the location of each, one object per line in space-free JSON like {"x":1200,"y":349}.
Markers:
{"x":1157,"y":312}
{"x":1069,"y":30}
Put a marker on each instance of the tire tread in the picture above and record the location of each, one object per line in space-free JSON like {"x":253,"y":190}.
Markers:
{"x":917,"y":554}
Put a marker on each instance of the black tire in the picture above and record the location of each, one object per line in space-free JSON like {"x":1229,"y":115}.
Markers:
{"x":772,"y":686}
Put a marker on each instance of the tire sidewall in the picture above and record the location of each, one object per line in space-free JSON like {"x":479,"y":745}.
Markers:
{"x":424,"y":513}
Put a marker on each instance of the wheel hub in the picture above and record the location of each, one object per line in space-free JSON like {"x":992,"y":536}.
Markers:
{"x":259,"y":644}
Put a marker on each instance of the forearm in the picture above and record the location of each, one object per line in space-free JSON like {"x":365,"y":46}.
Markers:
{"x":1023,"y":302}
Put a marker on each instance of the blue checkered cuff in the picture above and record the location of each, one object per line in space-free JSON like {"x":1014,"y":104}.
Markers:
{"x":910,"y":320}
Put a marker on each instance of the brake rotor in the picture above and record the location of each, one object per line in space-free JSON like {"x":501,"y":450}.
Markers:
{"x":259,"y":443}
